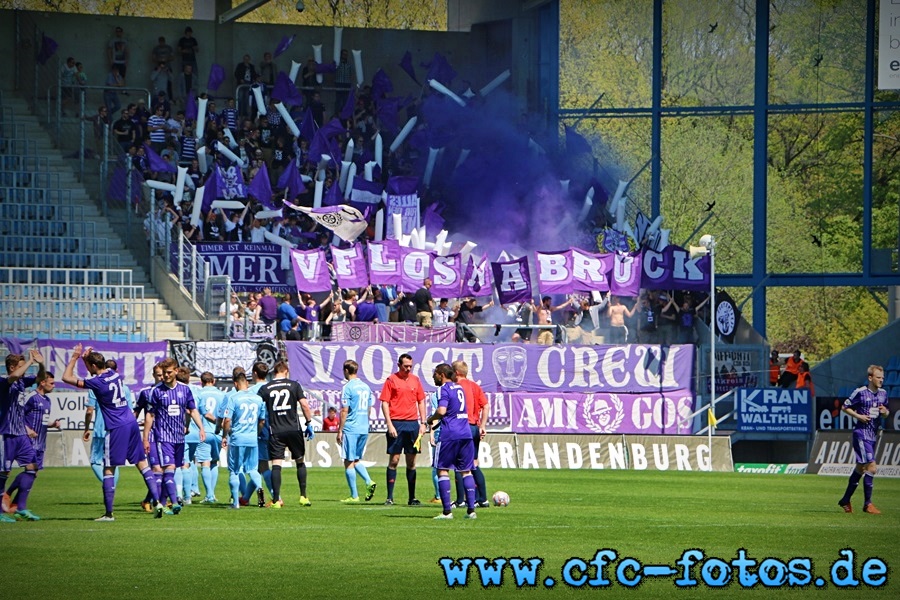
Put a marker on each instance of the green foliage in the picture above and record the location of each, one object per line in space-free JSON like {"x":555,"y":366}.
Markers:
{"x":334,"y":551}
{"x":815,"y":177}
{"x":378,"y":14}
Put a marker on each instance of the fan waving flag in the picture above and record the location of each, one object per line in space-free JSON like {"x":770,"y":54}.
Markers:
{"x":283,"y":45}
{"x":345,"y":221}
{"x":157,"y":163}
{"x":216,"y":77}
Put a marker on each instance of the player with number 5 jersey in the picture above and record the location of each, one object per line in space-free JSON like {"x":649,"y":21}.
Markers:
{"x":284,"y":398}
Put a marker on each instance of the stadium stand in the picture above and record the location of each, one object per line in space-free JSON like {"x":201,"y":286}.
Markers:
{"x":64,"y":272}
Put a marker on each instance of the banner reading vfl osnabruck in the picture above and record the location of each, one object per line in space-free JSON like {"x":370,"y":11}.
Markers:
{"x":635,"y":368}
{"x":591,"y":413}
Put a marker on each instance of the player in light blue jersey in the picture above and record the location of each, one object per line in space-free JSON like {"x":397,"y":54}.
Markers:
{"x":434,"y":436}
{"x":353,"y":432}
{"x":244,"y":414}
{"x":260,"y":378}
{"x":97,"y":444}
{"x":209,"y":400}
{"x":186,"y":473}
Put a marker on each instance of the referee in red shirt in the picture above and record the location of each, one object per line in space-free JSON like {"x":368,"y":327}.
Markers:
{"x":403,"y":405}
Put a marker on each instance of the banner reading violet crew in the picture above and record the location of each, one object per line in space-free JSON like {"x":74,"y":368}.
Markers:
{"x":592,"y":413}
{"x":635,"y":368}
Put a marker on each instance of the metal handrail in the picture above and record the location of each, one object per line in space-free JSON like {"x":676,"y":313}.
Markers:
{"x":688,"y":418}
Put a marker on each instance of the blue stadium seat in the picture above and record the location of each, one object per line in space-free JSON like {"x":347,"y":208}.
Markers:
{"x":893,"y":364}
{"x":891,"y":379}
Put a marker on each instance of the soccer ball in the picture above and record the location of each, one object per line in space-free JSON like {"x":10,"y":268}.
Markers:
{"x":500,"y":499}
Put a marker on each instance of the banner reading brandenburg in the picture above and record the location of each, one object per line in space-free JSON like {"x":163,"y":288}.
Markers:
{"x":634,"y":368}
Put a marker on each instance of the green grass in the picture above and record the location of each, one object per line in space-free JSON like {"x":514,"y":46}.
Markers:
{"x":336,"y":551}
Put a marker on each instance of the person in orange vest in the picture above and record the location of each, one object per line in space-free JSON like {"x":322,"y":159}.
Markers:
{"x":774,"y":368}
{"x":791,"y":370}
{"x":804,"y":379}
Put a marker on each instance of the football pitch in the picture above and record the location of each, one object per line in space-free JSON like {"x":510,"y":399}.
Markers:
{"x":559,"y":524}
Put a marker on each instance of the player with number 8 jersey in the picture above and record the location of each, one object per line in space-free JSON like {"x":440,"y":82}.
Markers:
{"x":283,"y":397}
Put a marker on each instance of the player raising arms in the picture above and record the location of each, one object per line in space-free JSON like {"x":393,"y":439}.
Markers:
{"x":456,"y":449}
{"x":353,"y":432}
{"x":122,"y":433}
{"x":283,"y":397}
{"x":170,"y":404}
{"x":16,"y":445}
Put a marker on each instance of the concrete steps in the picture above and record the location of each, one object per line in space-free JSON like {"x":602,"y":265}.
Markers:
{"x":28,"y":126}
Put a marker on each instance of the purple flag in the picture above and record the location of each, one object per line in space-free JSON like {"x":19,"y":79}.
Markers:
{"x":216,"y":77}
{"x":477,"y":278}
{"x":350,"y":105}
{"x":48,"y":49}
{"x":308,"y":126}
{"x":402,"y":186}
{"x":283,"y":45}
{"x":446,"y":276}
{"x":575,"y":142}
{"x":554,"y":272}
{"x":432,"y":219}
{"x":626,"y":274}
{"x":290,"y":180}
{"x":381,"y":85}
{"x":384,"y":262}
{"x":118,"y":190}
{"x":157,"y":163}
{"x":286,"y":91}
{"x":674,"y":269}
{"x":415,"y":265}
{"x":439,"y":69}
{"x":387,"y":112}
{"x":310,"y":270}
{"x":323,"y":144}
{"x":333,"y":196}
{"x":512,"y":280}
{"x":365,"y":191}
{"x":260,"y":187}
{"x":190,"y":107}
{"x":590,"y":271}
{"x":350,"y":266}
{"x":406,"y":64}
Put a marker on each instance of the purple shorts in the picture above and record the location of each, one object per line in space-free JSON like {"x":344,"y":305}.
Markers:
{"x":123,"y":445}
{"x":166,"y":454}
{"x":864,"y":450}
{"x":456,"y":455}
{"x":39,"y":459}
{"x":17,"y":449}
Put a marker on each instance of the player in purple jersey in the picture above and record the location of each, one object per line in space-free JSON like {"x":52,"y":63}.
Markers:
{"x":17,"y":446}
{"x":865,"y":405}
{"x":140,"y":407}
{"x":170,"y":404}
{"x":123,"y":437}
{"x":455,"y":450}
{"x":37,"y":421}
